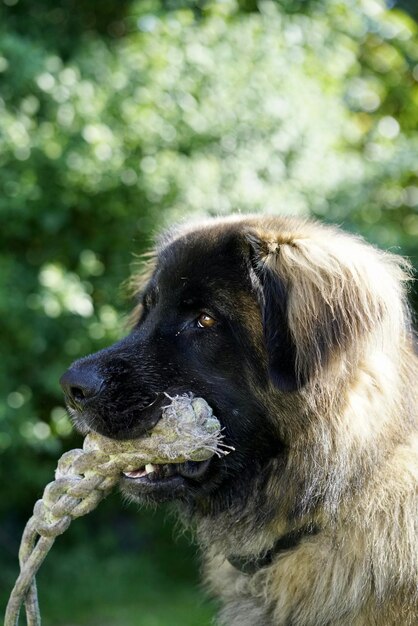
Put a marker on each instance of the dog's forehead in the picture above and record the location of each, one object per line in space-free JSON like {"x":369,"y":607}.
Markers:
{"x":207,"y":256}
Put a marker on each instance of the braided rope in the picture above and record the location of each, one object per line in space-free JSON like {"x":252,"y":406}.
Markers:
{"x":187,"y":431}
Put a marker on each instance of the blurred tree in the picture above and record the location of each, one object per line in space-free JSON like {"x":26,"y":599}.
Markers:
{"x":62,"y":26}
{"x":410,"y":6}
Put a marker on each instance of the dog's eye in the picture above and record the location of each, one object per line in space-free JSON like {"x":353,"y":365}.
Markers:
{"x":205,"y":321}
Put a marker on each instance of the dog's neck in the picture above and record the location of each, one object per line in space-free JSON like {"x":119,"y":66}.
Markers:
{"x":244,"y":528}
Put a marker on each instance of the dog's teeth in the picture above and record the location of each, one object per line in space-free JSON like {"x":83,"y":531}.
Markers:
{"x":140,"y":473}
{"x":149,"y":468}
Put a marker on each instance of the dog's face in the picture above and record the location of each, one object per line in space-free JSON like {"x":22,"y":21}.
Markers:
{"x":199,"y":330}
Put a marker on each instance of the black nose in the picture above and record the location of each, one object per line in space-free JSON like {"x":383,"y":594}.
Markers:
{"x":81,"y":383}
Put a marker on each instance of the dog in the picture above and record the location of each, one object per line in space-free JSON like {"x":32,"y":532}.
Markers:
{"x":299,"y":336}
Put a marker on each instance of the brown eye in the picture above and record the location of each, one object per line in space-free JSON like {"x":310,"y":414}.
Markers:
{"x":205,"y":321}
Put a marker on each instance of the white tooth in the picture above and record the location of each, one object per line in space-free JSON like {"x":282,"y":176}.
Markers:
{"x":149,"y":468}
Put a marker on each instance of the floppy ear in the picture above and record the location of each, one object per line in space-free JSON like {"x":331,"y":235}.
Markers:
{"x":324,"y":294}
{"x":273,"y":293}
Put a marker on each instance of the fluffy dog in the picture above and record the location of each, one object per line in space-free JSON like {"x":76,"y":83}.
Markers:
{"x":299,"y":337}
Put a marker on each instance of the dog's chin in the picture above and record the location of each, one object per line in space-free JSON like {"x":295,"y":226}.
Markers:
{"x":167,"y":482}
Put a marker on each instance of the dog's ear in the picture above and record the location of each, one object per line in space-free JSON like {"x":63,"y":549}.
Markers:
{"x":323,"y":295}
{"x":272,"y":290}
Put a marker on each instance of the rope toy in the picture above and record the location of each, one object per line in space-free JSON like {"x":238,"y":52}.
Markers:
{"x":187,"y":431}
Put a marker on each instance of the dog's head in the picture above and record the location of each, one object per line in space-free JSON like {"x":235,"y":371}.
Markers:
{"x":258,"y":316}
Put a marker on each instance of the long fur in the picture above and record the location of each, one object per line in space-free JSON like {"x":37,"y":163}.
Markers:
{"x":351,"y":430}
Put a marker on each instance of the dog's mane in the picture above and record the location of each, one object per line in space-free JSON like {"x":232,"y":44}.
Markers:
{"x":356,"y":432}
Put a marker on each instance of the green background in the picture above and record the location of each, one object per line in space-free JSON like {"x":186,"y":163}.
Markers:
{"x":117,"y":118}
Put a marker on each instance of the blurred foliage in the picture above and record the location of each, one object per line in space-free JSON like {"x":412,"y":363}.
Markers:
{"x":410,"y":6}
{"x":118,"y":117}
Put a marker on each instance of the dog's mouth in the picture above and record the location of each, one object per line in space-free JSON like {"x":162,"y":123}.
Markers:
{"x":153,"y":472}
{"x":165,"y":481}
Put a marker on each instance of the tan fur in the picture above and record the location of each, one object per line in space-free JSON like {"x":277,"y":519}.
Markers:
{"x":145,"y":266}
{"x":352,"y":438}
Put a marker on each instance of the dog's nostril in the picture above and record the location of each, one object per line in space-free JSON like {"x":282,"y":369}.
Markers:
{"x":78,"y":393}
{"x":81,"y":383}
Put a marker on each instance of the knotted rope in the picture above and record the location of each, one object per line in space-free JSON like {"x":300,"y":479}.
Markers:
{"x":187,"y":431}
